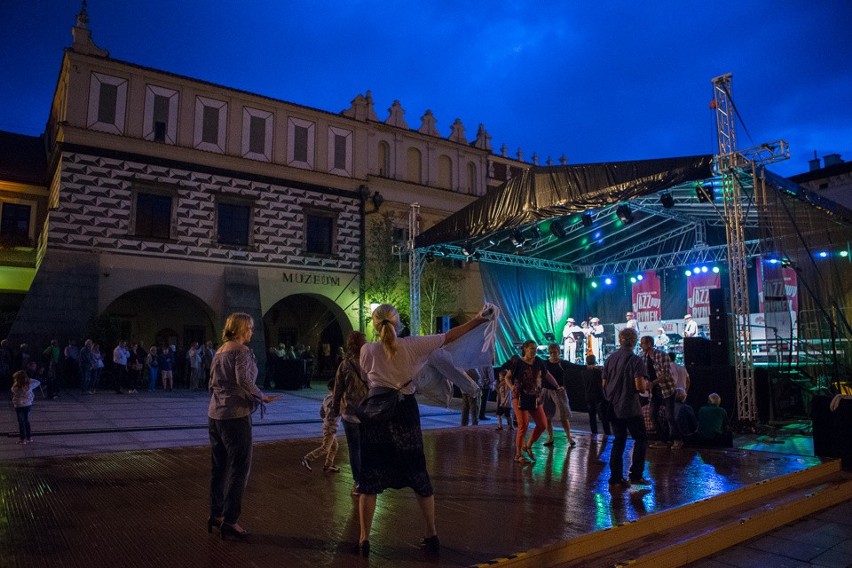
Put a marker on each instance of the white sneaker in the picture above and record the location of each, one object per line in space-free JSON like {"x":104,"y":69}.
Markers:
{"x":306,"y":463}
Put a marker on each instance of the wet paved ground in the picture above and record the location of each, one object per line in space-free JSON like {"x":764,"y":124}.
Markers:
{"x":92,"y":490}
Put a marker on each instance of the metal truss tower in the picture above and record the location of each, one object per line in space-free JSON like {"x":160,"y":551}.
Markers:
{"x":416,"y":262}
{"x":730,"y":164}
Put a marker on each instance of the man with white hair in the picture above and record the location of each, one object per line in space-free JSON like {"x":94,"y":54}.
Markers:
{"x":690,"y":328}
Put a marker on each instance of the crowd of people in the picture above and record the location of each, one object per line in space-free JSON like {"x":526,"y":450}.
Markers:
{"x":632,"y":393}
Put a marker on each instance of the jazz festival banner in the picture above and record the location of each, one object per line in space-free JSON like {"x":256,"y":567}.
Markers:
{"x":646,"y":298}
{"x":698,"y":288}
{"x":777,"y":288}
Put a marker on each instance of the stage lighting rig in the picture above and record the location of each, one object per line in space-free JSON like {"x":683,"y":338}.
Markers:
{"x":704,"y":193}
{"x":587,"y":220}
{"x":468,"y":249}
{"x":624,"y":213}
{"x":518,"y":238}
{"x":557,"y":229}
{"x":667,"y":200}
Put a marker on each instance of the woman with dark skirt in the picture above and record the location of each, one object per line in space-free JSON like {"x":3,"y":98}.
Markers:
{"x":392,"y":451}
{"x":234,"y":396}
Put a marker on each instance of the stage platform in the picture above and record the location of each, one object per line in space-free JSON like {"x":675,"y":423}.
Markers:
{"x":148,"y":508}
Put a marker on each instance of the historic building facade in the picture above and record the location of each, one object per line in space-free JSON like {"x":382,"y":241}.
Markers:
{"x":169,"y":202}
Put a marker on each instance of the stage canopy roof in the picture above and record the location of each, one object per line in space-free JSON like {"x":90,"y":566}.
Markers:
{"x":608,"y":218}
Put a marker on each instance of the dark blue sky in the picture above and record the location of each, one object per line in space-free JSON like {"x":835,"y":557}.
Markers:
{"x":595,"y":81}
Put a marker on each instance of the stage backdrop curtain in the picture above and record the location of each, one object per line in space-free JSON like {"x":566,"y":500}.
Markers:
{"x":532,"y":303}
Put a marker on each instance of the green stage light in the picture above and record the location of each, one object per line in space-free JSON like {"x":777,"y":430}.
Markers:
{"x":594,"y":284}
{"x":844,"y":253}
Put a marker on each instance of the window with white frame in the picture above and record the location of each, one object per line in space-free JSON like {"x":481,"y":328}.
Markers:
{"x":257,"y":134}
{"x":210,"y":120}
{"x":153,"y":214}
{"x":319,"y":232}
{"x":107,"y":103}
{"x":233,"y":223}
{"x":160,"y":114}
{"x":339,"y":151}
{"x":301,"y":135}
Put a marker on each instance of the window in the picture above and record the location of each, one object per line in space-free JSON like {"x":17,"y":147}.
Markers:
{"x":153,"y":216}
{"x":300,"y":143}
{"x":210,"y":125}
{"x":257,"y":134}
{"x":384,"y":159}
{"x":233,"y":224}
{"x":107,"y":103}
{"x":160,"y":114}
{"x":319,"y":234}
{"x":210,"y":120}
{"x":339,"y":151}
{"x":15,"y":223}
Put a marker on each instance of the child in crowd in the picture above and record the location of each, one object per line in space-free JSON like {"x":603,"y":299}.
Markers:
{"x":22,"y":400}
{"x":504,"y":401}
{"x":329,"y":435}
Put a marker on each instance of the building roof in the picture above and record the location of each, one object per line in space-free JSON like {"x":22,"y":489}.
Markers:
{"x":823,"y":173}
{"x":23,"y":158}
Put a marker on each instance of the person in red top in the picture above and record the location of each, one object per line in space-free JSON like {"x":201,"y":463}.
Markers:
{"x":524,"y":377}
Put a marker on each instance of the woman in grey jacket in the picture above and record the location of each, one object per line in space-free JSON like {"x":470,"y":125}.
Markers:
{"x":234,"y":396}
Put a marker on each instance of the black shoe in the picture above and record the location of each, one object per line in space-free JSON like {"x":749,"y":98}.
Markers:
{"x":431,"y":545}
{"x":364,"y":548}
{"x":233,"y":530}
{"x":212,"y":523}
{"x":640,"y":481}
{"x":619,"y":482}
{"x":485,"y":418}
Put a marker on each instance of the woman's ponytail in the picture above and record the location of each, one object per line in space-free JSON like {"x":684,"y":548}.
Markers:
{"x":386,"y":322}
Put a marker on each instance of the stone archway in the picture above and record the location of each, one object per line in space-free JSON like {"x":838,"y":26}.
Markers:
{"x":163,"y":314}
{"x":309,"y":320}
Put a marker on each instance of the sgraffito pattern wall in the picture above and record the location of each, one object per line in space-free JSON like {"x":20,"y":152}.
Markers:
{"x":95,"y":211}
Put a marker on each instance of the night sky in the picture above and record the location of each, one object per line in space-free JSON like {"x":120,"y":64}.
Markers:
{"x":595,"y":81}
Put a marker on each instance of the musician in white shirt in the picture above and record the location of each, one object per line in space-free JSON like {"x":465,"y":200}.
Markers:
{"x":691,"y":327}
{"x":569,"y":341}
{"x":661,"y":341}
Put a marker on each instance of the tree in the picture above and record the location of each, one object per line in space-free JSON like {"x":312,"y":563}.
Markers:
{"x":386,"y":281}
{"x":439,"y":292}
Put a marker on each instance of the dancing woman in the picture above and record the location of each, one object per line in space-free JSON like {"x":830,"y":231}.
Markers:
{"x":524,"y":377}
{"x":392,"y":452}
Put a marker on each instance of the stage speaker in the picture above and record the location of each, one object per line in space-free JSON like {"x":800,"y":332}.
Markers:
{"x":719,"y":323}
{"x":442,"y":324}
{"x":697,"y":352}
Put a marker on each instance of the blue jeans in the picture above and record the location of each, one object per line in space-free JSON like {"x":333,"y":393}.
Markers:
{"x":353,"y":440}
{"x":620,"y":426}
{"x":23,"y":414}
{"x":152,"y":378}
{"x":230,"y":448}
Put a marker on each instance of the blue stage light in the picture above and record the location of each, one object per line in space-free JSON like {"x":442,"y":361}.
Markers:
{"x":608,"y":281}
{"x":704,"y":269}
{"x":696,"y":270}
{"x":822,"y":254}
{"x":688,"y":273}
{"x":773,"y":261}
